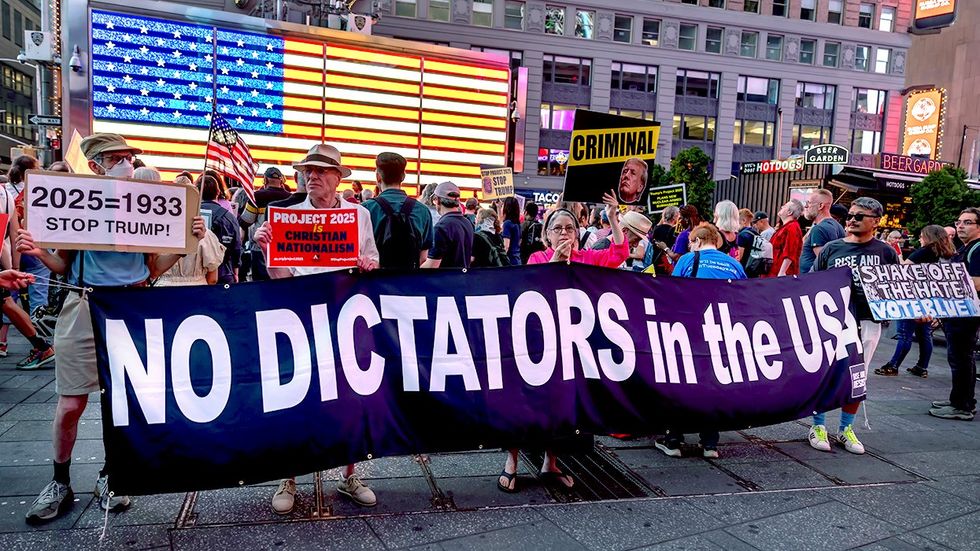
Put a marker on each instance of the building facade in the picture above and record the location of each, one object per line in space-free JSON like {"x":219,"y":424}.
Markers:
{"x":17,"y":99}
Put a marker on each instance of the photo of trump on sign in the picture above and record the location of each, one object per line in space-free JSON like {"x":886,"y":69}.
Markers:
{"x":632,"y":181}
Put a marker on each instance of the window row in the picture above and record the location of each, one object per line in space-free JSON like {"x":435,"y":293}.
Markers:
{"x":17,"y":81}
{"x":13,"y":121}
{"x":13,"y":24}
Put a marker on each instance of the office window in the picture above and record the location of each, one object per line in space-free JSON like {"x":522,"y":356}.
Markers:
{"x":887,"y":21}
{"x":883,"y":60}
{"x":694,"y":127}
{"x":623,"y":29}
{"x":808,"y":10}
{"x":869,"y":101}
{"x":514,"y":15}
{"x":688,"y":37}
{"x":712,"y":40}
{"x":758,"y":90}
{"x":651,"y":32}
{"x":808,"y":49}
{"x":697,"y":84}
{"x":554,"y":20}
{"x":5,"y":16}
{"x":636,"y":78}
{"x":645,"y":115}
{"x":831,"y":53}
{"x":751,"y":6}
{"x":552,"y":162}
{"x":405,"y":8}
{"x":835,"y":11}
{"x":815,"y":96}
{"x":861,"y":56}
{"x":866,"y":15}
{"x":18,"y":28}
{"x":483,"y":13}
{"x":692,"y":2}
{"x":805,"y":136}
{"x":585,"y":24}
{"x":716,"y":4}
{"x":779,"y":8}
{"x":750,"y":44}
{"x":567,"y":70}
{"x":757,"y":133}
{"x":865,"y":142}
{"x":774,"y":47}
{"x":557,"y":117}
{"x":439,"y":10}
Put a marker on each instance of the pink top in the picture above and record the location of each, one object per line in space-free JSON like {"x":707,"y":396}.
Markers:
{"x":608,"y":258}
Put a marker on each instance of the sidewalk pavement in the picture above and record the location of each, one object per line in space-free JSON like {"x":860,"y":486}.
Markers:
{"x":918,"y":487}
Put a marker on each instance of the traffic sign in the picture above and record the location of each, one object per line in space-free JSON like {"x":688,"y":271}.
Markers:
{"x":44,"y":120}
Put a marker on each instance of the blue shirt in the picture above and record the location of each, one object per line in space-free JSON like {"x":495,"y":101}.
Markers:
{"x":512,"y":231}
{"x":110,"y":269}
{"x":714,"y":265}
{"x":819,"y":235}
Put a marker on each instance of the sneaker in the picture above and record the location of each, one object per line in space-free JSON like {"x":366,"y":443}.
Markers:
{"x":360,"y":494}
{"x":285,"y":497}
{"x":710,"y":453}
{"x":818,"y":438}
{"x":888,"y":370}
{"x":949,"y":412}
{"x":108,"y":500}
{"x":3,"y":350}
{"x":918,"y":371}
{"x":55,"y":499}
{"x":947,"y":403}
{"x":669,"y":448}
{"x":36,"y":359}
{"x":849,"y":440}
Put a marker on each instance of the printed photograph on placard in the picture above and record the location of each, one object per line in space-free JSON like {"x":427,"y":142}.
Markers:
{"x":610,"y":153}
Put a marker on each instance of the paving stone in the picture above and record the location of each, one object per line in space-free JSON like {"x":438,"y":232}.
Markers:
{"x":15,"y":395}
{"x":537,"y":535}
{"x":690,"y":477}
{"x":743,"y":507}
{"x":646,"y":458}
{"x":31,"y":478}
{"x":123,"y":537}
{"x":155,"y":509}
{"x":21,"y":453}
{"x":959,"y":533}
{"x":626,"y":525}
{"x":778,"y":433}
{"x":479,"y":492}
{"x":689,"y":543}
{"x":860,"y":469}
{"x":5,"y":426}
{"x":13,"y":509}
{"x":801,"y":451}
{"x":384,"y":467}
{"x":910,"y":506}
{"x":44,"y":395}
{"x":828,"y":526}
{"x":411,"y":530}
{"x":251,"y":504}
{"x":395,"y":495}
{"x":924,"y":441}
{"x":346,"y":534}
{"x":967,"y":487}
{"x":40,"y":431}
{"x":616,"y":443}
{"x":779,"y":475}
{"x":471,"y":464}
{"x":939,"y":463}
{"x":45,"y":412}
{"x":747,"y":452}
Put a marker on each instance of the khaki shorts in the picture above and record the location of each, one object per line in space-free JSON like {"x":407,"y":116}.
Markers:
{"x":75,"y":370}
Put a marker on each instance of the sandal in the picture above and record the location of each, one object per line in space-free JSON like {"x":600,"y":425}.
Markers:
{"x":510,"y":478}
{"x":559,"y":479}
{"x":918,"y":372}
{"x":887,"y":370}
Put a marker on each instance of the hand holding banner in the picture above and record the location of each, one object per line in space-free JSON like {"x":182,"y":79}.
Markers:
{"x":96,"y":213}
{"x":910,"y":291}
{"x":313,"y":238}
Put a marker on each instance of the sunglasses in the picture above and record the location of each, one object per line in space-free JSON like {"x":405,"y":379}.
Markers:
{"x":859,"y":217}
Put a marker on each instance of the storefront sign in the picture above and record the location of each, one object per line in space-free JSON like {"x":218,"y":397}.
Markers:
{"x":911,"y":165}
{"x":827,"y":154}
{"x":923,"y":123}
{"x":543,"y":198}
{"x":893,"y":185}
{"x":934,"y":14}
{"x":497,"y":182}
{"x":769,"y":167}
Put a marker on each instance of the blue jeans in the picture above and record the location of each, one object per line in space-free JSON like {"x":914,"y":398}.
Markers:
{"x":910,"y":331}
{"x":38,"y":291}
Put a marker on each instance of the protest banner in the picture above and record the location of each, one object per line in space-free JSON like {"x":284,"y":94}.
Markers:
{"x":910,"y":291}
{"x":498,"y":182}
{"x":98,"y":213}
{"x":610,"y":153}
{"x":312,"y":238}
{"x":208,"y":387}
{"x":659,"y":198}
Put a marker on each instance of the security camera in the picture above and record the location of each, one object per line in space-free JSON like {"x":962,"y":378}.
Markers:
{"x":75,"y":62}
{"x":21,"y":57}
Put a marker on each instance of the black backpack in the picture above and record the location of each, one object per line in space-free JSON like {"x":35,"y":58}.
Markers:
{"x":399,"y":242}
{"x":496,"y":256}
{"x":531,"y":241}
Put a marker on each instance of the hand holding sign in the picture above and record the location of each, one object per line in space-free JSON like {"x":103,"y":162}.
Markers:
{"x":312,"y":238}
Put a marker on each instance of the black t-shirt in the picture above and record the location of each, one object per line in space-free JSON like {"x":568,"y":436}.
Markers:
{"x":453,"y":241}
{"x":923,"y":255}
{"x":665,"y":233}
{"x":969,"y":254}
{"x":840,"y":253}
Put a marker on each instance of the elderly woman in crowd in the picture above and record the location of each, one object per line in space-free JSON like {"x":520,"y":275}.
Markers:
{"x":201,"y":266}
{"x":562,"y":238}
{"x":727,"y":222}
{"x":787,"y":242}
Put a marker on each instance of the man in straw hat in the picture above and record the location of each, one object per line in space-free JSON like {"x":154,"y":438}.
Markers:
{"x":76,"y":373}
{"x":323,"y":170}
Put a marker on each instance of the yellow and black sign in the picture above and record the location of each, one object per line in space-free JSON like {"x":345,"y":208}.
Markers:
{"x":610,"y":154}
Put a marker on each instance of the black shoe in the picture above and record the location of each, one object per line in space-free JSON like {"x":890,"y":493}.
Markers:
{"x":918,"y":371}
{"x":888,"y":370}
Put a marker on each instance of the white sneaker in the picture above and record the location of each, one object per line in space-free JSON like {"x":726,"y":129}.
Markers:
{"x":360,"y":494}
{"x":849,"y":440}
{"x":818,"y":438}
{"x":285,"y":497}
{"x":108,"y":500}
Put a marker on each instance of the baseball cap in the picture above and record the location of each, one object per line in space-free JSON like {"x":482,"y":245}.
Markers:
{"x":447,"y":190}
{"x":759,"y":215}
{"x":273,"y":172}
{"x":838,"y":209}
{"x":104,"y":142}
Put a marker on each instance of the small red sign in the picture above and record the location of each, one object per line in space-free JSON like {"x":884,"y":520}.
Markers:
{"x":313,"y":238}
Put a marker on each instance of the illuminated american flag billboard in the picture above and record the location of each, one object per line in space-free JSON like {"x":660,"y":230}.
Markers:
{"x":156,"y":82}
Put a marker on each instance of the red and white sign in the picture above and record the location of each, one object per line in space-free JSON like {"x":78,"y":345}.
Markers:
{"x":313,"y":238}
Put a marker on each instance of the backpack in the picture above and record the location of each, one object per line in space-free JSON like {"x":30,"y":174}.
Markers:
{"x":531,"y":241}
{"x":399,"y":242}
{"x":496,"y":258}
{"x":760,"y":257}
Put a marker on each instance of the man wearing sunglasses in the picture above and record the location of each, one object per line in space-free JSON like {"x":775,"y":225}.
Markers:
{"x":858,"y":248}
{"x":961,"y":333}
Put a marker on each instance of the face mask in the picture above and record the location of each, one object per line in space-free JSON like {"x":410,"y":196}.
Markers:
{"x":122,"y":169}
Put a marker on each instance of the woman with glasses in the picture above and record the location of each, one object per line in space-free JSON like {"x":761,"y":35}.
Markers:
{"x":562,"y":239}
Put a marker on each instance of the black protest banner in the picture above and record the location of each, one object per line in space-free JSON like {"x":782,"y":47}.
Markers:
{"x":662,"y":197}
{"x":610,"y":153}
{"x":910,"y":291}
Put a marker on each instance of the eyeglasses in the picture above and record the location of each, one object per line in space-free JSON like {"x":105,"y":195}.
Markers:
{"x":965,"y":223}
{"x":113,"y":159}
{"x":858,"y":217}
{"x":563,"y":229}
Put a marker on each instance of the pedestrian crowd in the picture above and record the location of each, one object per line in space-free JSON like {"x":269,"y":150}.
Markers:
{"x":438,"y":230}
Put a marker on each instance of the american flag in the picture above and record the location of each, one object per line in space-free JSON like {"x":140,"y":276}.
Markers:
{"x":157,"y":81}
{"x":228,"y":154}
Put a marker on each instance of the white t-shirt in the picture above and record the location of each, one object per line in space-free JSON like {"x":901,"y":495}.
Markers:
{"x":365,"y":235}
